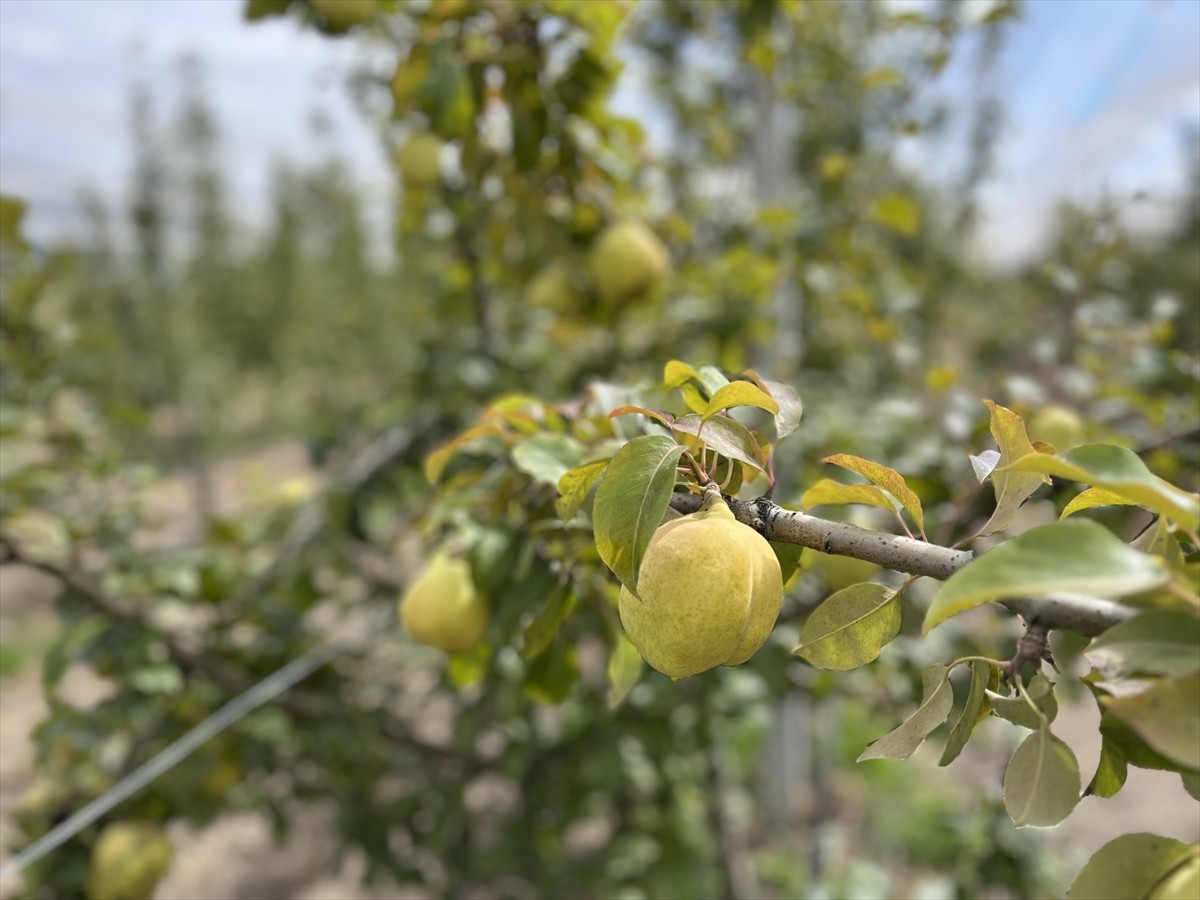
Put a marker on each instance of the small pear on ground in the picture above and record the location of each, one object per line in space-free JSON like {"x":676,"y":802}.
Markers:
{"x":1058,"y":426}
{"x":128,"y":861}
{"x":708,"y":593}
{"x":627,"y":261}
{"x":420,"y":160}
{"x":442,"y":608}
{"x":339,"y":16}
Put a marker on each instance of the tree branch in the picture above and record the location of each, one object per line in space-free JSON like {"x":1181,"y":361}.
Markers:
{"x":1088,"y":616}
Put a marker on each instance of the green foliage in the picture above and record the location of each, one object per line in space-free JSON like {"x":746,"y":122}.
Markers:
{"x":542,"y":442}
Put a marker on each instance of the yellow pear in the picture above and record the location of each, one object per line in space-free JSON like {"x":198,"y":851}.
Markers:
{"x":1182,"y":884}
{"x":709,"y":592}
{"x":128,"y":860}
{"x":1058,"y":426}
{"x":442,"y":608}
{"x":342,"y":15}
{"x":420,"y":160}
{"x":627,"y":261}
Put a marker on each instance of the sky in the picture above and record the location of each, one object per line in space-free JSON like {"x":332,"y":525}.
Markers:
{"x":1096,"y":92}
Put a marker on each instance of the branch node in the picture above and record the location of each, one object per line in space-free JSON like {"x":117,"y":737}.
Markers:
{"x":1033,"y":647}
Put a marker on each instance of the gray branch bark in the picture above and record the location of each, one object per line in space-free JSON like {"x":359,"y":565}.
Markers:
{"x":1088,"y":616}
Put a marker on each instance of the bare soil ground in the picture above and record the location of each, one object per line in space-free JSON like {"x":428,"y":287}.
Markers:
{"x":236,"y":857}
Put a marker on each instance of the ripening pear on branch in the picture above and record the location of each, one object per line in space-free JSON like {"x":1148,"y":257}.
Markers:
{"x":708,"y":594}
{"x":627,"y":261}
{"x":442,"y":608}
{"x":128,"y":861}
{"x":420,"y":160}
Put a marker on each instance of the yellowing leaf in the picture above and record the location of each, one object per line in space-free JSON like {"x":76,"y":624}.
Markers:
{"x":739,"y":393}
{"x":882,"y":78}
{"x":1094,"y":497}
{"x":676,"y":373}
{"x":437,"y":460}
{"x":1012,"y":488}
{"x":898,"y":212}
{"x":828,"y":492}
{"x":575,"y":485}
{"x":832,"y":166}
{"x":888,"y":479}
{"x":1076,"y":556}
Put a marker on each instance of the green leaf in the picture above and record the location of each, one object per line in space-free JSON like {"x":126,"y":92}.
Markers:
{"x":575,"y":485}
{"x":828,"y":492}
{"x":712,"y":379}
{"x":540,"y":633}
{"x":789,"y":557}
{"x":1191,"y":783}
{"x":1135,"y":750}
{"x":1155,"y":642}
{"x":548,"y":457}
{"x":624,"y":670}
{"x":1041,"y":783}
{"x":1127,"y":867}
{"x":1017,"y":709}
{"x":631,"y":500}
{"x":1167,"y":717}
{"x":1158,"y":540}
{"x":164,"y":678}
{"x":1012,"y":488}
{"x":1111,"y":771}
{"x":69,"y":646}
{"x":903,"y":741}
{"x":260,"y":9}
{"x":553,"y":674}
{"x":739,"y":393}
{"x":851,"y":627}
{"x":973,"y":711}
{"x":726,"y":436}
{"x":888,"y":479}
{"x":1119,"y":470}
{"x":1076,"y":556}
{"x":1093,"y":497}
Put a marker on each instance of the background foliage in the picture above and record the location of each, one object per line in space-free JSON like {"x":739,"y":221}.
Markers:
{"x":443,"y":399}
